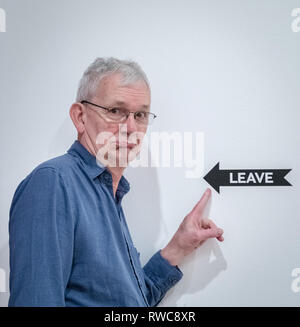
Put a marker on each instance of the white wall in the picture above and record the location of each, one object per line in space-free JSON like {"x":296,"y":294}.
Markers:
{"x":227,"y":68}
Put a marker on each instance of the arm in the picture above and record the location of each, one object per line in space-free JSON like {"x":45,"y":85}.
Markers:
{"x":40,"y":240}
{"x":159,"y":277}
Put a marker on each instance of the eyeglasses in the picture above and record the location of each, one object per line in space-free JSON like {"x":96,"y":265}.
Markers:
{"x":120,"y":114}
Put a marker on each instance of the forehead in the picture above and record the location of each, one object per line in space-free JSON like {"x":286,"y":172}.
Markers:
{"x":113,"y":92}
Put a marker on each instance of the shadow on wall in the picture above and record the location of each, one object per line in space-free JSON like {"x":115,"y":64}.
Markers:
{"x":149,"y":233}
{"x":4,"y":275}
{"x":198,"y":271}
{"x":143,"y":212}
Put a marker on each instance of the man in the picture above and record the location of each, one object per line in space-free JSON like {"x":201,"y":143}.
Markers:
{"x":69,"y":240}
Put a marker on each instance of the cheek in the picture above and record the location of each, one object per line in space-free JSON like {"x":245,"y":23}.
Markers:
{"x":93,"y":128}
{"x":99,"y":126}
{"x":105,"y":133}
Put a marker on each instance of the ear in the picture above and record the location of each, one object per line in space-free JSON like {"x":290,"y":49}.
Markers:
{"x":77,"y":115}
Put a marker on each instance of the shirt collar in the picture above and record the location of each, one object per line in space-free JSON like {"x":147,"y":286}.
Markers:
{"x":95,"y":168}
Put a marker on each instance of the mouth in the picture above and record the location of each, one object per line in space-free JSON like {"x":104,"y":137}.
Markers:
{"x":125,"y":145}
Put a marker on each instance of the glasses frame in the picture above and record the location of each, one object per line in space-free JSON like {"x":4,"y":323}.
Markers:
{"x":128,"y":112}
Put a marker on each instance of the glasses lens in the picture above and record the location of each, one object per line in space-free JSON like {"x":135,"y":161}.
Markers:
{"x":116,"y":114}
{"x":141,"y":117}
{"x":144,"y":118}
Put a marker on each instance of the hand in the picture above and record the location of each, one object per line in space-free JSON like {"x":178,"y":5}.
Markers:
{"x":192,"y":232}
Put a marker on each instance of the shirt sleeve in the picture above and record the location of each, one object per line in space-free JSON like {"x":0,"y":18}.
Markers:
{"x":40,"y":240}
{"x":160,"y":276}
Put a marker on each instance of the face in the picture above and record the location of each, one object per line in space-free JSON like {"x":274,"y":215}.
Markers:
{"x":116,"y":143}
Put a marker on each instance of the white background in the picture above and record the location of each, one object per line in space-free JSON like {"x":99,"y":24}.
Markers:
{"x":227,"y":68}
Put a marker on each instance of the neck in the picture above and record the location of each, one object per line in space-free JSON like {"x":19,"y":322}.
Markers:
{"x":116,"y":173}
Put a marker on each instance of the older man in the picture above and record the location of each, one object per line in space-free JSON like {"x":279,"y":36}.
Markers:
{"x":69,"y":240}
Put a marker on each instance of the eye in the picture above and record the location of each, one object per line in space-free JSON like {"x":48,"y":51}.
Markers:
{"x":141,"y":114}
{"x":115,"y":111}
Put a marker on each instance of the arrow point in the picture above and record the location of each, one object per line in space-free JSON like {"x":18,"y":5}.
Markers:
{"x":217,"y":188}
{"x":284,"y":181}
{"x":210,"y":177}
{"x":287,"y":171}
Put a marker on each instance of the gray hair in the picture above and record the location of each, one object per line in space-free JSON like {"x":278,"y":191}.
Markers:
{"x":130,"y":72}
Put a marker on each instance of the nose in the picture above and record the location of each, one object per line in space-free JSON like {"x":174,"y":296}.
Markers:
{"x":127,"y":129}
{"x":131,"y":123}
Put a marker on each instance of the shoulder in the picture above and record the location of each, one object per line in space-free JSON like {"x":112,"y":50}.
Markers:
{"x":47,"y":180}
{"x":62,"y":165}
{"x":43,"y":194}
{"x":54,"y":171}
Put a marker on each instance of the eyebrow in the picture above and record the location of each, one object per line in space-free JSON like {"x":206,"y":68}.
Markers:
{"x":122,"y":103}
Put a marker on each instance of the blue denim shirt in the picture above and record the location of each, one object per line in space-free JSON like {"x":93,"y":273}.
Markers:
{"x":70,"y":244}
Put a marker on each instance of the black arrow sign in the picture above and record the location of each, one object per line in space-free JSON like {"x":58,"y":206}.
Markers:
{"x":246,"y":177}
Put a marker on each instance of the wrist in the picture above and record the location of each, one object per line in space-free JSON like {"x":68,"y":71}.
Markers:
{"x":172,"y":255}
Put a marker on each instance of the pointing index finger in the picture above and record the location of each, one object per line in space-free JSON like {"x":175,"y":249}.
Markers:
{"x":201,"y":204}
